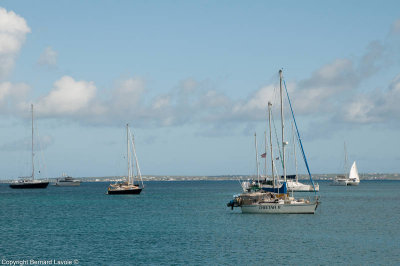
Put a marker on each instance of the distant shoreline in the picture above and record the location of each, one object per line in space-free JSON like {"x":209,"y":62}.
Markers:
{"x":316,"y":177}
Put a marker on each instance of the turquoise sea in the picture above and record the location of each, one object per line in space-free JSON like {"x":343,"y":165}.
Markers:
{"x":179,"y":223}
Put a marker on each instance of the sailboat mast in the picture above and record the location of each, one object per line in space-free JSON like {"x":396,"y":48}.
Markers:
{"x":33,"y":161}
{"x":270,"y":142}
{"x":283,"y":127}
{"x":265,"y":158}
{"x":345,"y":160}
{"x":127,"y":153}
{"x":294,"y":151}
{"x":258,"y":170}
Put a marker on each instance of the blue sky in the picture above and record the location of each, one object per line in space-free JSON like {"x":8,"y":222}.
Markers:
{"x":193,"y":79}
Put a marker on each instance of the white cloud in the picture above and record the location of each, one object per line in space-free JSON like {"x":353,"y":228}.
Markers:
{"x":359,"y":110}
{"x":198,"y":102}
{"x":161,"y":102}
{"x":48,"y":57}
{"x":127,"y":93}
{"x":374,"y":107}
{"x":68,"y":97}
{"x":256,"y":105}
{"x":13,"y":30}
{"x":318,"y":93}
{"x":11,"y":96}
{"x":17,"y":91}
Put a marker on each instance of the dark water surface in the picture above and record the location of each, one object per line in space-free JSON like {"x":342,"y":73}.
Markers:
{"x":188,"y":223}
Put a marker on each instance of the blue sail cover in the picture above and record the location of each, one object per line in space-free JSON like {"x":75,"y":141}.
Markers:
{"x":280,"y":190}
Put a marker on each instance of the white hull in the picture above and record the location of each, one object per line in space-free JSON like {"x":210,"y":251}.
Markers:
{"x":353,"y":183}
{"x":352,"y":180}
{"x":300,"y":187}
{"x":345,"y":182}
{"x":272,"y":208}
{"x":67,"y":184}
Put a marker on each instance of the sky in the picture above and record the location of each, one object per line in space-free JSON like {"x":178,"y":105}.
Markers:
{"x":193,"y":80}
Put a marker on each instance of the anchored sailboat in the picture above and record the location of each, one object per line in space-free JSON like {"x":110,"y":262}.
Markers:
{"x":30,"y":182}
{"x":264,"y":201}
{"x":129,"y":186}
{"x":352,"y":180}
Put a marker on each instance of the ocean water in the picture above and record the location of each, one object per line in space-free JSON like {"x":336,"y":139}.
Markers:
{"x":188,"y":222}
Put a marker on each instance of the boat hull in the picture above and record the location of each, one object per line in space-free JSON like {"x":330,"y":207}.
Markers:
{"x":353,"y":183}
{"x":27,"y":185}
{"x":276,"y":208}
{"x":299,"y":187}
{"x":124,"y":191}
{"x":67,"y":184}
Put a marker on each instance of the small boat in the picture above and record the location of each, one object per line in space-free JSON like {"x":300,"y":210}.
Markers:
{"x":30,"y":182}
{"x":67,"y":181}
{"x":129,"y":186}
{"x":275,"y":202}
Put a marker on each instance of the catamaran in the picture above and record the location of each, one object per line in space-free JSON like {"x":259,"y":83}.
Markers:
{"x":30,"y":182}
{"x":129,"y":186}
{"x":269,"y":202}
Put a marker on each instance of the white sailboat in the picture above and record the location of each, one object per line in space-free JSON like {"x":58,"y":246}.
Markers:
{"x":272,"y":202}
{"x":129,"y":186}
{"x":354,"y":179}
{"x":30,"y":182}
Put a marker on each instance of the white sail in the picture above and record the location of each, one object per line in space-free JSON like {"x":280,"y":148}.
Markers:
{"x":354,"y":173}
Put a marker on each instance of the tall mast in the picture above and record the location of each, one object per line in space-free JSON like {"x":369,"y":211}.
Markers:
{"x":345,"y":160}
{"x":258,"y":171}
{"x":270,"y":142}
{"x":283,"y":127}
{"x":33,"y":163}
{"x":135,"y":158}
{"x":294,"y":151}
{"x":136,"y":161}
{"x":265,"y":161}
{"x":127,"y":153}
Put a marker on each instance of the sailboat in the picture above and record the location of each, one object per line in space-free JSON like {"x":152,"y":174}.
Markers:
{"x":267,"y":202}
{"x":352,"y":180}
{"x":30,"y":182}
{"x":129,"y":186}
